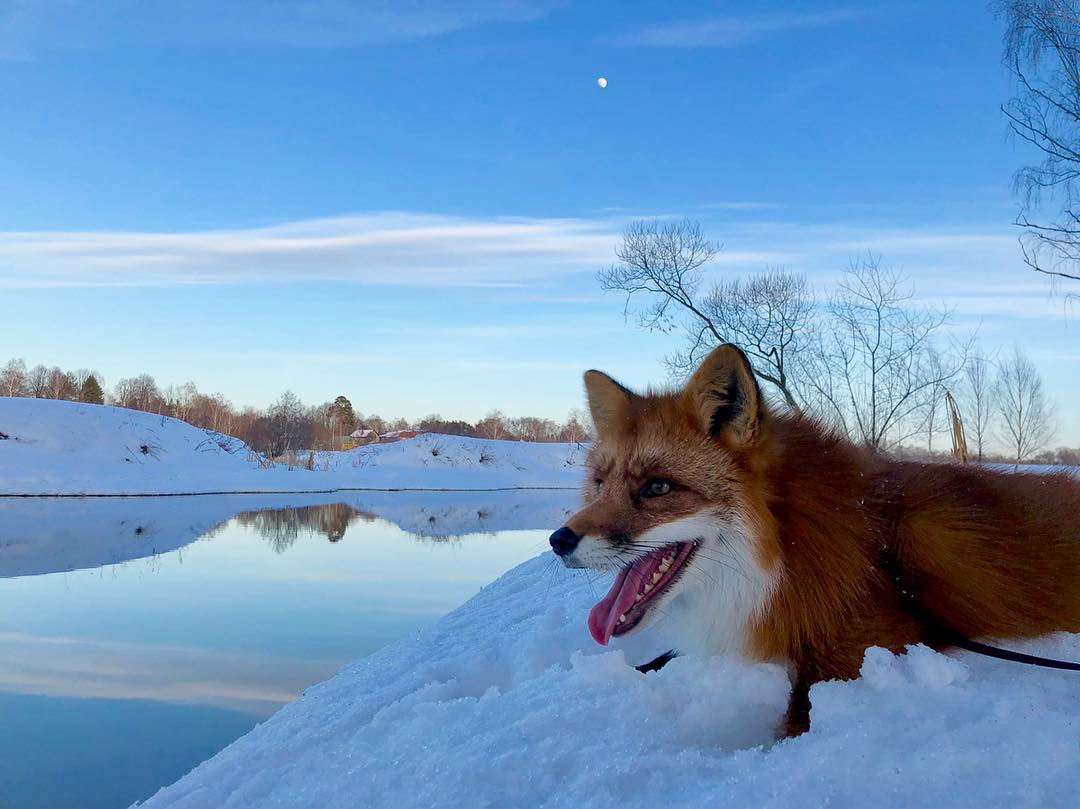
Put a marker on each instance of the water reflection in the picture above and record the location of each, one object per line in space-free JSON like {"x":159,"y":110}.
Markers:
{"x":281,"y":527}
{"x":49,"y":535}
{"x":219,"y":607}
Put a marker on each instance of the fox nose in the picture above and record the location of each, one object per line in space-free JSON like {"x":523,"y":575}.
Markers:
{"x":564,"y":541}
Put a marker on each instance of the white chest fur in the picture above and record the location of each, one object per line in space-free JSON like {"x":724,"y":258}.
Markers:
{"x":722,"y":590}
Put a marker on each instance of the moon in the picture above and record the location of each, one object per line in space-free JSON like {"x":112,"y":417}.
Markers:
{"x":602,"y":82}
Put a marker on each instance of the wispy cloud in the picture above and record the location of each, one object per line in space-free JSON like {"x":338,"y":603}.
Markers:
{"x":507,"y":255}
{"x":380,"y":248}
{"x":31,"y":26}
{"x":734,"y":30}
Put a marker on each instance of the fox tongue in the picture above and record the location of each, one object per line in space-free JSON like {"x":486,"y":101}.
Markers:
{"x":604,"y":617}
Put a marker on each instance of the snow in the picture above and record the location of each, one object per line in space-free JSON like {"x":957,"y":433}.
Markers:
{"x":68,"y":448}
{"x":508,"y":702}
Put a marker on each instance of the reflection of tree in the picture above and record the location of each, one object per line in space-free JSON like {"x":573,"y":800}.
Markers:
{"x":281,"y":527}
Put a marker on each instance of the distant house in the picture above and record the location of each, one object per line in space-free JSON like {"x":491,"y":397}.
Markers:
{"x":363,"y":436}
{"x":397,"y":435}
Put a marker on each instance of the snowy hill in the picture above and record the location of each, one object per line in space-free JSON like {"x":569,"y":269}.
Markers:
{"x":55,"y":447}
{"x":508,"y":702}
{"x":68,"y":448}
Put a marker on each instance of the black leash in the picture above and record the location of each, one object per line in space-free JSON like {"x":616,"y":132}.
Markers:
{"x":1006,"y":654}
{"x":943,"y":635}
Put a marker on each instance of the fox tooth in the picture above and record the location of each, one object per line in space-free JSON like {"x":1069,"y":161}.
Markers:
{"x":647,"y":588}
{"x":665,"y":566}
{"x":622,"y":619}
{"x":637,"y":597}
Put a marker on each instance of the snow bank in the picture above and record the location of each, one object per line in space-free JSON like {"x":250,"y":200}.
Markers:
{"x":507,"y":702}
{"x":58,"y":447}
{"x":437,"y":461}
{"x":68,"y":448}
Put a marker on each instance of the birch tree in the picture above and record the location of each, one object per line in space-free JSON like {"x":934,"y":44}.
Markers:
{"x":1026,"y":414}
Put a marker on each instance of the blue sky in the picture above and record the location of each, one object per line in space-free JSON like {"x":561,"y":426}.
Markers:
{"x":406,"y":202}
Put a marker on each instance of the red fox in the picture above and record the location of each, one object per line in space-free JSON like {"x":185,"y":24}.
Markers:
{"x":765,"y":534}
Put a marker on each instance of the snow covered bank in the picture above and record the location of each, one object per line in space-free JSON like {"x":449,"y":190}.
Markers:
{"x":508,"y":702}
{"x":68,"y":448}
{"x":435,"y":461}
{"x":51,"y":535}
{"x":55,"y":447}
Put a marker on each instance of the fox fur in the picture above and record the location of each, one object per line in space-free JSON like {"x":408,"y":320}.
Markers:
{"x":794,"y":523}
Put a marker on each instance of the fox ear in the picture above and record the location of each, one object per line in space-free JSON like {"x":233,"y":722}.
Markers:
{"x":724,"y":396}
{"x":609,"y":402}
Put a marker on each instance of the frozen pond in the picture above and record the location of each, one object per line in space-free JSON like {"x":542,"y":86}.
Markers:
{"x":139,"y":636}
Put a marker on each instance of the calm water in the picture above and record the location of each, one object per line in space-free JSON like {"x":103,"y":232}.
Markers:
{"x":180,"y":628}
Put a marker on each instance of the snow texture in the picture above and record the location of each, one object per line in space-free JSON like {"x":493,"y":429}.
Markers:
{"x":507,"y":702}
{"x":68,"y":448}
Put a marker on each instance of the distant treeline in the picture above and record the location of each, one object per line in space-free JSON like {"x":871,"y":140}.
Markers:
{"x":287,"y":425}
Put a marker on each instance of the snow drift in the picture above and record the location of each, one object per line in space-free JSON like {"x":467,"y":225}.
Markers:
{"x":508,"y":702}
{"x":68,"y":448}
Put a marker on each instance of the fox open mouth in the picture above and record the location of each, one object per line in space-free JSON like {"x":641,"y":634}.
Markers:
{"x":636,"y":588}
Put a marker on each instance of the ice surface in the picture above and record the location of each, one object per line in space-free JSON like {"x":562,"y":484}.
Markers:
{"x":507,"y":702}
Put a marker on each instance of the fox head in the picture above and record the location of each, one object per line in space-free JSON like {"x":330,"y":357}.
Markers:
{"x":669,"y":506}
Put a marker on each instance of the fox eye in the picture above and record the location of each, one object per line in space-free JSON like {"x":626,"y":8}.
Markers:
{"x":656,"y":488}
{"x":599,"y":482}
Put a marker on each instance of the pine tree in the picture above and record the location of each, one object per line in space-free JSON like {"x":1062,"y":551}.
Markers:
{"x":348,"y":416}
{"x":91,"y":391}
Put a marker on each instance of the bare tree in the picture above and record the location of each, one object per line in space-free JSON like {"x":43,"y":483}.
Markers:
{"x":13,"y":381}
{"x":877,"y":363}
{"x":286,"y":421}
{"x":180,"y":400}
{"x":575,"y":429}
{"x":534,"y":428}
{"x":931,"y":423}
{"x":220,"y":414}
{"x":493,"y":425}
{"x":1042,"y":49}
{"x":139,"y":393}
{"x":767,"y":316}
{"x":1026,"y":415}
{"x":62,"y":385}
{"x":37,"y":382}
{"x":977,"y":392}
